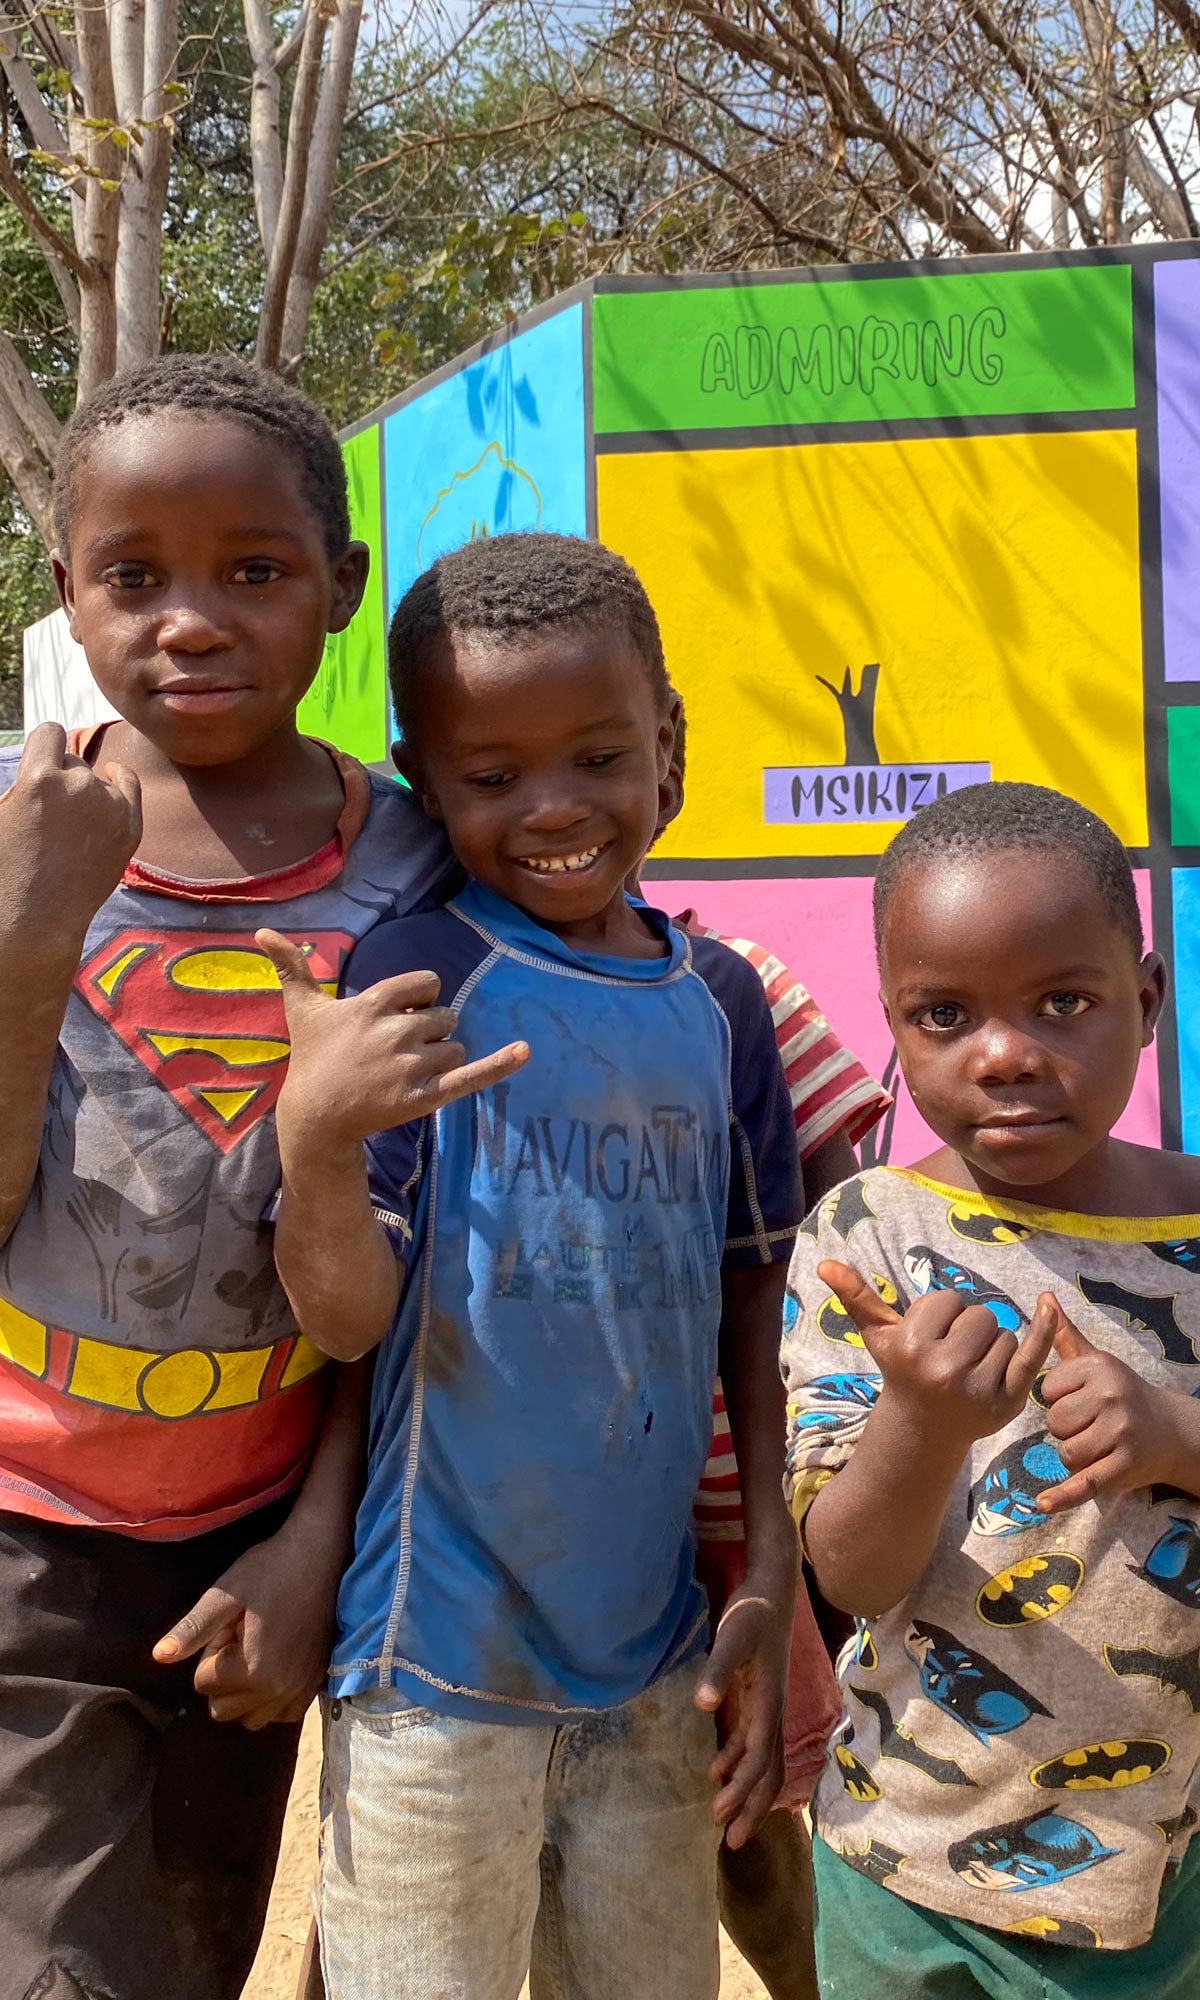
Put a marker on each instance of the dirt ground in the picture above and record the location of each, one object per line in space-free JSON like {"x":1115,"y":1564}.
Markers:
{"x":278,"y":1962}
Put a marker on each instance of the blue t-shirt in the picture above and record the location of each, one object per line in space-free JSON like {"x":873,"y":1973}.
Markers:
{"x":542,"y":1405}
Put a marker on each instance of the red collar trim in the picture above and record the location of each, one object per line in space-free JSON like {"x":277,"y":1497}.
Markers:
{"x":299,"y":878}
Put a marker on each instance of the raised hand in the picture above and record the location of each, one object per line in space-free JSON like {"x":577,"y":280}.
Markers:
{"x":67,"y":834}
{"x":381,"y":1059}
{"x":961,"y":1376}
{"x":1114,"y":1431}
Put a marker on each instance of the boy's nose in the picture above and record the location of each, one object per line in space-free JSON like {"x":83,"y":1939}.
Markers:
{"x":187,"y":627}
{"x":1005,"y":1054}
{"x":555,"y":811}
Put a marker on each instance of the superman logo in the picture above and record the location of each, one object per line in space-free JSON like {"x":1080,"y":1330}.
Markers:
{"x":202,"y":1010}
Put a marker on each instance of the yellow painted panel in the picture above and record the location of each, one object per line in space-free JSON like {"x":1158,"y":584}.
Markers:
{"x":993,"y":579}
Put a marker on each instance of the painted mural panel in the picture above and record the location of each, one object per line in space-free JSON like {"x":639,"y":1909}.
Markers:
{"x":1176,"y":337}
{"x":346,"y":703}
{"x":857,"y":626}
{"x":959,"y":344}
{"x":495,"y":448}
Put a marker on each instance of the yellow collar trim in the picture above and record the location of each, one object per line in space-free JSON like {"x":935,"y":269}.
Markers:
{"x":1061,"y":1221}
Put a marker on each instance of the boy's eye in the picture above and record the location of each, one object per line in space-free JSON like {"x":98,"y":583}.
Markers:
{"x":944,"y":1014}
{"x":489,"y":781}
{"x":256,"y":573}
{"x":128,"y":576}
{"x":1065,"y":1004}
{"x":599,"y":760}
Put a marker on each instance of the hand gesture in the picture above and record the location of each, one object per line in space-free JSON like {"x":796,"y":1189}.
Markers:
{"x":1114,"y":1432}
{"x":264,"y":1633}
{"x":962,"y":1377}
{"x":744,"y":1683}
{"x":67,"y":835}
{"x":381,"y":1059}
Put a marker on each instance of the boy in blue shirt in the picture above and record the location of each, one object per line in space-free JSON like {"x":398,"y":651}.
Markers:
{"x":548,"y":1220}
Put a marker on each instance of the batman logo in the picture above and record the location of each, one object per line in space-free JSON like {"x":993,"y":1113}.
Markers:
{"x":876,"y":1861}
{"x":855,"y":1776}
{"x":846,"y":1207}
{"x":1003,"y":1501}
{"x":835,"y":1322}
{"x":859,"y":1651}
{"x":929,"y":1272}
{"x":1173,"y":1564}
{"x":1181,"y":1822}
{"x":1057,"y":1930}
{"x":1103,"y":1767}
{"x":896,"y":1742}
{"x":966,"y":1685}
{"x":837,"y":1403}
{"x":791,"y":1312}
{"x":1027,"y":1853}
{"x":1148,"y":1313}
{"x":980,"y":1226}
{"x":1031,"y":1590}
{"x":1176,"y":1673}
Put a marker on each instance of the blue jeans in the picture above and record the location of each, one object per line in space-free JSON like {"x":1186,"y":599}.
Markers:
{"x":458,"y":1856}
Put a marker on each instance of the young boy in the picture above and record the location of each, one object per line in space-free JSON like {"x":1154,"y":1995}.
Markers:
{"x":520,"y":1754}
{"x":159,"y":1407}
{"x":1009,"y":1811}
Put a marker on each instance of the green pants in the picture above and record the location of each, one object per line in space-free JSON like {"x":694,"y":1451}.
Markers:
{"x":872,"y":1945}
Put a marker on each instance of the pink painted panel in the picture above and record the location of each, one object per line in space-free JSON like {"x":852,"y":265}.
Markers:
{"x":822,"y":929}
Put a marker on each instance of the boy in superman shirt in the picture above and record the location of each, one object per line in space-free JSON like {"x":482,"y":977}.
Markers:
{"x":521,"y":1755}
{"x":168,"y":1469}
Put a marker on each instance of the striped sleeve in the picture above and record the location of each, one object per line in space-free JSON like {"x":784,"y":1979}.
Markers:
{"x":829,"y":1088}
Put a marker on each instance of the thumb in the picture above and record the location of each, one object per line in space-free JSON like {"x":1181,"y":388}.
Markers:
{"x":213,"y":1621}
{"x":732,"y":1643}
{"x":300,"y":989}
{"x":126,"y":781}
{"x":1069,"y":1343}
{"x":863,"y":1305}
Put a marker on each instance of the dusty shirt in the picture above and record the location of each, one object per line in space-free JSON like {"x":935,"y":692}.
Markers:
{"x":152,"y":1379}
{"x":1022,"y":1730}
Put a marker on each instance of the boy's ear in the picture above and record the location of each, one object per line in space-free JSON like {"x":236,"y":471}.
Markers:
{"x":409,"y":766}
{"x":1152,"y":980}
{"x":665,"y":743}
{"x":349,"y":582}
{"x":65,"y":589}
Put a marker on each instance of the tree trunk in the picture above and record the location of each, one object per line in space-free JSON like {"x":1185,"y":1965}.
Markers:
{"x":143,"y":56}
{"x":318,"y":187}
{"x":300,"y":130}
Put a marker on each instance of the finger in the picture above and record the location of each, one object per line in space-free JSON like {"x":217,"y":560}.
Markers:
{"x":1069,"y":1343}
{"x":759,"y":1802}
{"x":480,"y":1075}
{"x":1092,"y":1483}
{"x":236,"y":1707}
{"x":407,"y":992}
{"x":300,"y":989}
{"x":129,"y":785}
{"x":756,"y":1772}
{"x":226,"y":1671}
{"x":728,"y":1757}
{"x":1064,"y":1379}
{"x":45,"y":750}
{"x":864,"y":1305}
{"x":1071,"y":1415}
{"x":212,"y":1621}
{"x":1030,"y":1356}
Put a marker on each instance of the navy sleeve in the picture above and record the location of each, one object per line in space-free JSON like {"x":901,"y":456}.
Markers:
{"x":766,"y":1202}
{"x":436,"y":941}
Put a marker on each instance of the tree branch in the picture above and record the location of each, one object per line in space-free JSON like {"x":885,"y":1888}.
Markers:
{"x":291,"y":207}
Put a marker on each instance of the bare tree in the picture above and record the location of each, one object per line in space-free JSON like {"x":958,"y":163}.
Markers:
{"x":91,"y":90}
{"x":868,"y":128}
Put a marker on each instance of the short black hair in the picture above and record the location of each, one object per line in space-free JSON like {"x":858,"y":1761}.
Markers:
{"x":212,"y":385}
{"x":998,"y":817}
{"x":511,"y":587}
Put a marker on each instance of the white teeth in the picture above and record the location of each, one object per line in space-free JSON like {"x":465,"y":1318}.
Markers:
{"x":559,"y":864}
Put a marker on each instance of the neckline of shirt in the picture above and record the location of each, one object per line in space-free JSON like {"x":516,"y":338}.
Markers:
{"x":1060,"y":1221}
{"x":513,"y":931}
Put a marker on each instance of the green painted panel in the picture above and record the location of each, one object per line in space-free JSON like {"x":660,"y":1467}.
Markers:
{"x":958,"y":344}
{"x":1183,"y":759}
{"x":347,"y":703}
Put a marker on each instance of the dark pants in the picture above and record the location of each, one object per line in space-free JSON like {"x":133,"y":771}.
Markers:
{"x":137,"y":1837}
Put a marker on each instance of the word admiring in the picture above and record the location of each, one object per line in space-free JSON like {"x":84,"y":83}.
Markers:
{"x":827,"y":356}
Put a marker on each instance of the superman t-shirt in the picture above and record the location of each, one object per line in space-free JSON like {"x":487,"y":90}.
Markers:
{"x":152,"y":1379}
{"x":1021,"y":1739}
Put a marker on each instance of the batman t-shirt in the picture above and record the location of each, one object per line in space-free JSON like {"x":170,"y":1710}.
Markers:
{"x":152,"y":1378}
{"x":1021,"y":1733}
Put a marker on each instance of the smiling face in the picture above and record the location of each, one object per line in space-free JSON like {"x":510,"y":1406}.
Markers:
{"x":544,"y":758}
{"x":1019,"y":1010}
{"x":199,"y":583}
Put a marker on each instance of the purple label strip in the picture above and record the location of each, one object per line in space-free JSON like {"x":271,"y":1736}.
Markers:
{"x":859,"y":794}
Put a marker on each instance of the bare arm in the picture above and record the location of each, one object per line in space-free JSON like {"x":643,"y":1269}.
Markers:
{"x":334,"y":1257}
{"x":752,"y":1311}
{"x":831,"y":1163}
{"x":66,"y":837}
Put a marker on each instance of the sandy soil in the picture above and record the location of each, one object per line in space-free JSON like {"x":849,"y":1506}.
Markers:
{"x":278,"y":1963}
